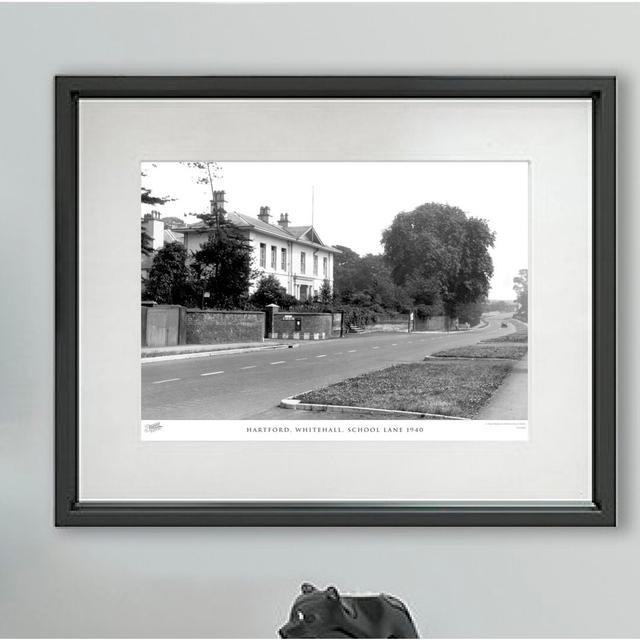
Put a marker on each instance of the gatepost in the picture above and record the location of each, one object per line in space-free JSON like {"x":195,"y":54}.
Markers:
{"x":271,"y":310}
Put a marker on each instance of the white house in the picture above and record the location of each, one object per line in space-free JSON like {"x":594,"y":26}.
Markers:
{"x":295,"y":255}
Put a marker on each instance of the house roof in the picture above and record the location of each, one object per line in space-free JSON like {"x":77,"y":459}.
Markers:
{"x":298,"y":232}
{"x":243,"y":221}
{"x":171,"y":235}
{"x":308,"y":232}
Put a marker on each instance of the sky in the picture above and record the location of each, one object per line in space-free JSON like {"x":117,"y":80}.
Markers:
{"x":353,"y":202}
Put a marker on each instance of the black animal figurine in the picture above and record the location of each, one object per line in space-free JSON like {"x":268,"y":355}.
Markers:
{"x":327,"y":614}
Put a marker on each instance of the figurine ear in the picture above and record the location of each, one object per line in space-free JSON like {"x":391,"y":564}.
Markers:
{"x":307,"y":588}
{"x":332,"y":593}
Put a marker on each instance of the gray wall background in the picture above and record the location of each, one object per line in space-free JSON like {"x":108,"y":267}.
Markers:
{"x":239,"y":583}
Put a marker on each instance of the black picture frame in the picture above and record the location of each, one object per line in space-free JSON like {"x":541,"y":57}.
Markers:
{"x":70,"y":511}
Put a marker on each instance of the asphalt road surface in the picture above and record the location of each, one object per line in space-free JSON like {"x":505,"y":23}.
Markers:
{"x":250,"y":385}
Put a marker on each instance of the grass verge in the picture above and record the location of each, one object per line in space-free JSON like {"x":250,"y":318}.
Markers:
{"x":506,"y":351}
{"x":450,"y":388}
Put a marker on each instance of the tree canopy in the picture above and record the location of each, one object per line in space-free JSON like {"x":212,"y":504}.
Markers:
{"x":436,"y":260}
{"x":366,"y":280}
{"x":439,"y":255}
{"x":223,"y":264}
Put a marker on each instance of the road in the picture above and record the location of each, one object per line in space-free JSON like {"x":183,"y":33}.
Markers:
{"x":248,"y":385}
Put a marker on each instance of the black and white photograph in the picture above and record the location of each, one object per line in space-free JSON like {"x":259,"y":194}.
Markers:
{"x":275,"y":295}
{"x":310,"y":319}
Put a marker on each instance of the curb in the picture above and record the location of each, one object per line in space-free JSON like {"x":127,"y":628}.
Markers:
{"x":444,"y":358}
{"x":298,"y":405}
{"x":218,"y":352}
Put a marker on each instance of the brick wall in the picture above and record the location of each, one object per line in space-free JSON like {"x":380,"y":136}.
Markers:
{"x":301,"y":326}
{"x":217,"y":327}
{"x":170,"y":325}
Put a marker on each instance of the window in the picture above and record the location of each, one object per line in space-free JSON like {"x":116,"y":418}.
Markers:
{"x":303,"y":259}
{"x":315,"y":265}
{"x":263,"y":255}
{"x":274,"y":257}
{"x":325,"y":267}
{"x":283,"y":259}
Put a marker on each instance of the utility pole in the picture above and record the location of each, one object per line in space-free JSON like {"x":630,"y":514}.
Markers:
{"x":213,"y":198}
{"x":312,"y":206}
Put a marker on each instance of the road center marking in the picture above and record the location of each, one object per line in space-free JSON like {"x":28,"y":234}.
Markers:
{"x":279,"y":362}
{"x":394,"y":344}
{"x":300,"y":358}
{"x":322,"y":356}
{"x":251,"y":366}
{"x":352,"y":351}
{"x":211,"y":373}
{"x":375,"y":347}
{"x":167,"y":380}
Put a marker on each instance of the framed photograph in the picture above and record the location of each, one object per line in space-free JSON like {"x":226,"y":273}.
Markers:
{"x":326,"y":301}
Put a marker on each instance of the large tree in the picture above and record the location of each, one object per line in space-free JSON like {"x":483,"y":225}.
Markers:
{"x":169,"y":277}
{"x":472,"y":279}
{"x":223,"y":264}
{"x":224,"y":261}
{"x":439,"y":255}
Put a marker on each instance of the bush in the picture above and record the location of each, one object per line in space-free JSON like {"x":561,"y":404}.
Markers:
{"x":360,"y":316}
{"x":270,"y":291}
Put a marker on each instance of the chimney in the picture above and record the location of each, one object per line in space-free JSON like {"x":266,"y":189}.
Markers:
{"x":265,"y":214}
{"x":284,"y":220}
{"x":154,"y":215}
{"x":154,"y":228}
{"x":217,"y":205}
